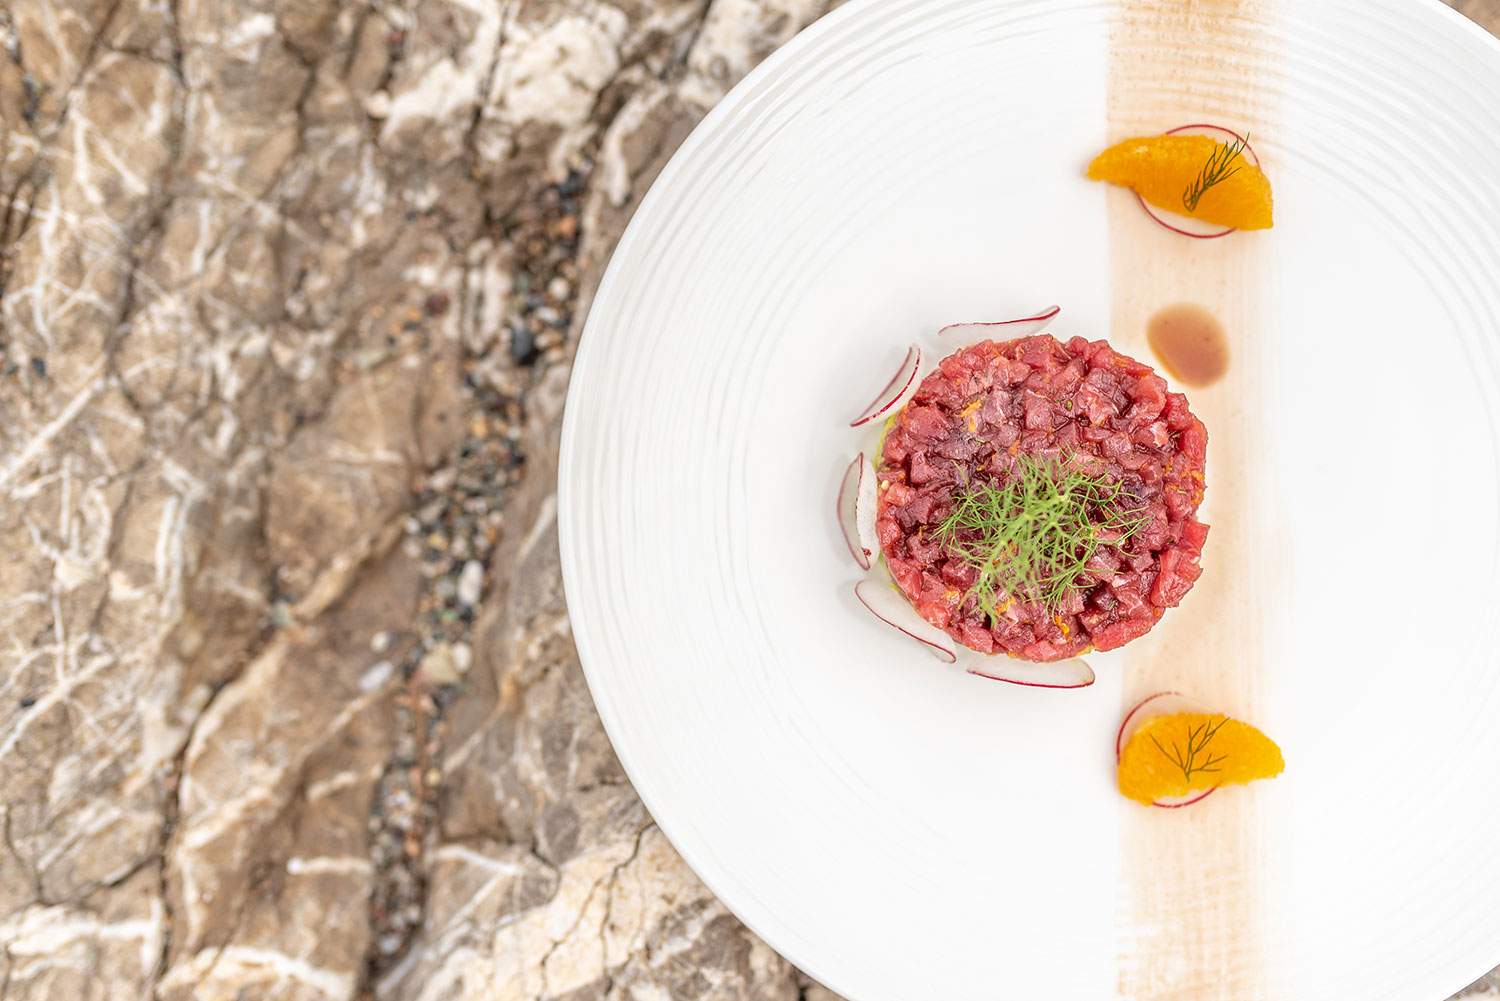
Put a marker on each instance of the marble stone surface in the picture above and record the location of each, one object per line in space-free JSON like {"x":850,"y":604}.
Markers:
{"x":288,"y":295}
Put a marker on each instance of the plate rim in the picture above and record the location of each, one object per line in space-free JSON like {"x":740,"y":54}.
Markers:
{"x":698,"y":862}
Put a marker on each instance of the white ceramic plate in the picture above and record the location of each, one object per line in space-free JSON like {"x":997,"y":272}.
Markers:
{"x":904,"y":831}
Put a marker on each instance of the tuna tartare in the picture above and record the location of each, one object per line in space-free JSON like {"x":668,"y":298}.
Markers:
{"x":1037,"y":498}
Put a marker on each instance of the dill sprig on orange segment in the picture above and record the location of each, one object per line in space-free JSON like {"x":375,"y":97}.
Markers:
{"x":1031,"y":537}
{"x":1211,"y":181}
{"x":1174,"y":756}
{"x":1219,"y":168}
{"x":1192,"y":755}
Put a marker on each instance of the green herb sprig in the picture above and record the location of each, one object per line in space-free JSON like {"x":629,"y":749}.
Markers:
{"x":1031,"y":537}
{"x":1198,"y":739}
{"x":1219,"y":168}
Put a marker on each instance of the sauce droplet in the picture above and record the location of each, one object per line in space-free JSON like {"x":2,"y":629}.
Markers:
{"x":1190,"y":343}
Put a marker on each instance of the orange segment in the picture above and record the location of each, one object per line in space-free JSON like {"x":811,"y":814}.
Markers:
{"x":1183,"y":753}
{"x":1162,"y":168}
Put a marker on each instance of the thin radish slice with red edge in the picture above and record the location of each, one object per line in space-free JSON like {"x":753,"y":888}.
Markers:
{"x":856,"y":508}
{"x":1160,"y":704}
{"x":1186,"y":225}
{"x":1156,"y":704}
{"x":1183,"y":225}
{"x":1023,"y":326}
{"x":891,"y":607}
{"x":900,"y":389}
{"x":1073,"y":673}
{"x":1178,"y":802}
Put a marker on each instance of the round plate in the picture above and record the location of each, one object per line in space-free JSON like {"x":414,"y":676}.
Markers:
{"x":902,"y":830}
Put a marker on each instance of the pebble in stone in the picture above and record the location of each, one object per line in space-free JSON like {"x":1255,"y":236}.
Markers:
{"x":438,"y":666}
{"x":471,"y":583}
{"x":377,"y":674}
{"x":522,"y":345}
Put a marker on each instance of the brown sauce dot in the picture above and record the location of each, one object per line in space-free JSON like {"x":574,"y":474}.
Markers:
{"x":1190,"y":343}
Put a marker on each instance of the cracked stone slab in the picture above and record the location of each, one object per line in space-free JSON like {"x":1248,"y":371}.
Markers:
{"x":260,"y":269}
{"x":278,"y":279}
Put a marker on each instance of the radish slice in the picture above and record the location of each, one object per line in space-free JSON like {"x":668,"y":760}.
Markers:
{"x":900,"y":389}
{"x":1160,"y":704}
{"x":1187,"y":225}
{"x":1178,"y":802}
{"x":1023,"y":326}
{"x":1073,"y":673}
{"x":856,"y":507}
{"x":1183,"y":225}
{"x":891,"y":607}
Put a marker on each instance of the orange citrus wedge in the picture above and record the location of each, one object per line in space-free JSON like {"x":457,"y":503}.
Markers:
{"x":1171,"y":757}
{"x":1164,"y":169}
